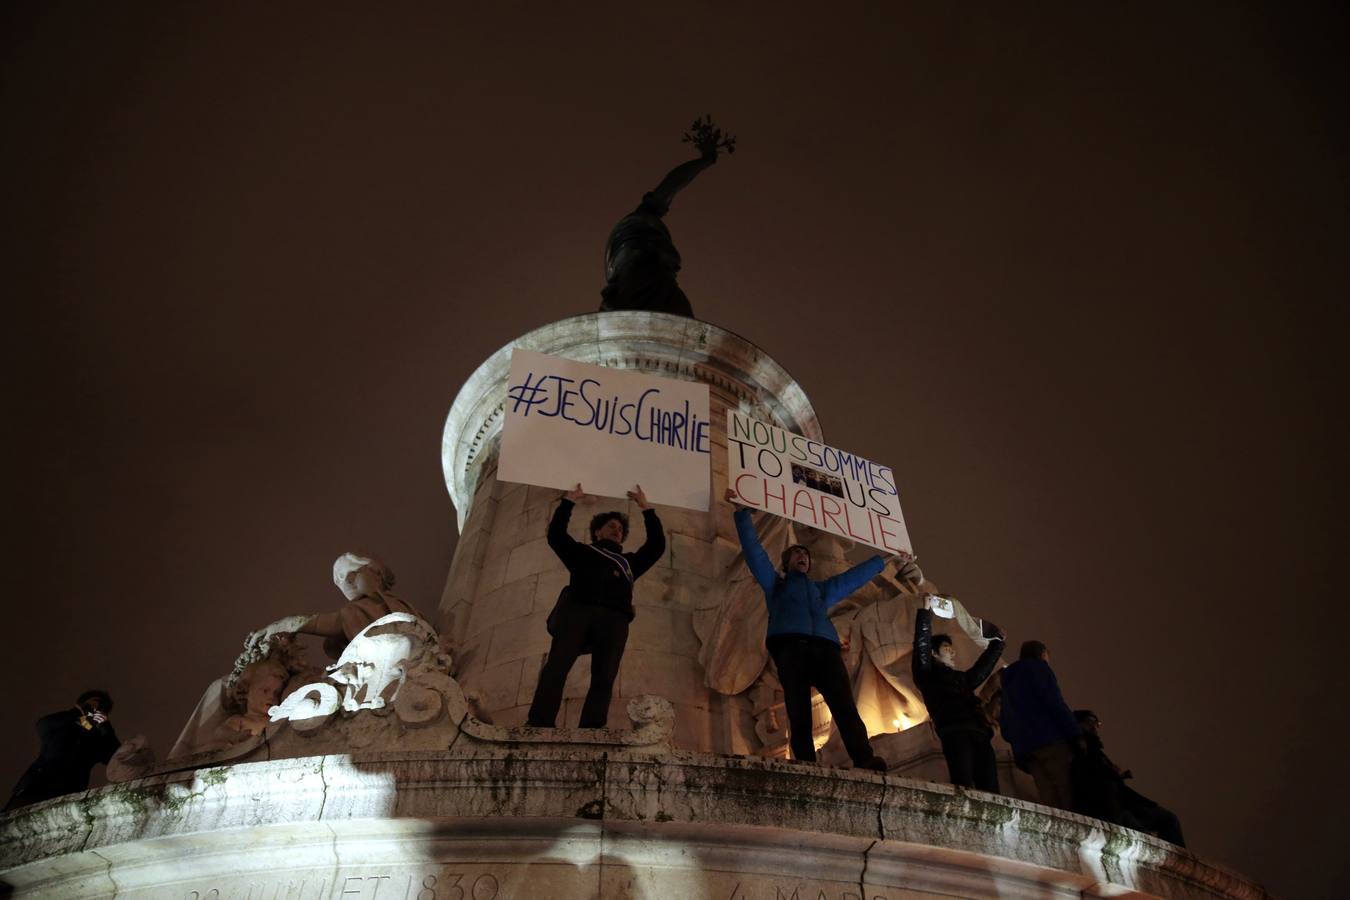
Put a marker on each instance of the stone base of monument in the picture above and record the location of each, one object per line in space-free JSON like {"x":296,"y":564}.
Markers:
{"x":391,"y":790}
{"x":573,"y":819}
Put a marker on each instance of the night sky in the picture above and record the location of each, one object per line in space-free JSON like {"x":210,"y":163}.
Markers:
{"x":1076,"y":274}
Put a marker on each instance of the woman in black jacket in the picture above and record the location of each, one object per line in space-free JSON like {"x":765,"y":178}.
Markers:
{"x":595,"y":608}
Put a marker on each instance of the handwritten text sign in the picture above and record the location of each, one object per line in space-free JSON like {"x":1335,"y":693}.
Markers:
{"x":610,"y":429}
{"x":818,"y":485}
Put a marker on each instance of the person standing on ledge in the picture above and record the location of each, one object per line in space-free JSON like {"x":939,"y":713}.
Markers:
{"x":594,"y":610}
{"x":1100,"y":791}
{"x":949,"y":694}
{"x":73,"y":740}
{"x":1039,"y":725}
{"x":641,"y":262}
{"x":803,"y":643}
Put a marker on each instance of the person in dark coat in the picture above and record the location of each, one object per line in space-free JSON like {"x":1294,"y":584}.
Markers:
{"x":949,"y":694}
{"x":593,"y":614}
{"x":1100,"y":791}
{"x":73,"y":740}
{"x":1039,"y":725}
{"x":803,"y":643}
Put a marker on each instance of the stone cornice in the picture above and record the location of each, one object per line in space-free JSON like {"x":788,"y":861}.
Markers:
{"x":665,"y":345}
{"x":895,"y":831}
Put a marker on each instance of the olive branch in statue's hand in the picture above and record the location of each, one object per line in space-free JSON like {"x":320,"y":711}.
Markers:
{"x":708,"y":138}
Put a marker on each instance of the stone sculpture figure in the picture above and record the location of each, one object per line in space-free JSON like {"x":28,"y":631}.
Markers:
{"x":372,"y":672}
{"x":234,"y":709}
{"x":366,"y":583}
{"x":259,"y":687}
{"x":641,"y":262}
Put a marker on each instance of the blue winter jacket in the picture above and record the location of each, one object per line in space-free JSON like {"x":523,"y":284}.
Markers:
{"x":798,"y":605}
{"x":1034,"y":712}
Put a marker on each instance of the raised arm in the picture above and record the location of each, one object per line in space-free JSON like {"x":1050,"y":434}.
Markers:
{"x":922,"y":660}
{"x":646,"y":556}
{"x":832,"y":590}
{"x":678,"y":179}
{"x":562,"y":543}
{"x":709,"y":140}
{"x":756,"y":560}
{"x":984,"y":666}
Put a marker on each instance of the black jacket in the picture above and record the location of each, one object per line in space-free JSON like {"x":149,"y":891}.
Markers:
{"x":949,"y":693}
{"x":596,"y":577}
{"x":69,"y":751}
{"x":1099,"y":788}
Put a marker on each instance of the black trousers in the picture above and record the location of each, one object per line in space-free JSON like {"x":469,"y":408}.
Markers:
{"x":970,"y":759}
{"x":809,"y":662}
{"x":579,"y":624}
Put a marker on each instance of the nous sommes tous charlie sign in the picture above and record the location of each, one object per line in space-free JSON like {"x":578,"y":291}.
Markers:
{"x":818,"y":485}
{"x":609,"y":429}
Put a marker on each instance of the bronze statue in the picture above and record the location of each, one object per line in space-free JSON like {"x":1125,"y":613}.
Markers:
{"x":641,"y":261}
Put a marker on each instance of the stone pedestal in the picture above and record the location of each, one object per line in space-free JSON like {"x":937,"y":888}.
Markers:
{"x":582,"y":821}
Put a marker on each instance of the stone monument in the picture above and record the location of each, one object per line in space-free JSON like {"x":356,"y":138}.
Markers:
{"x":402,"y":768}
{"x":641,"y":262}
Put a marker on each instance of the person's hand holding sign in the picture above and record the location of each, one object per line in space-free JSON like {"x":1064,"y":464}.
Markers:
{"x":941,"y":606}
{"x":907,"y":571}
{"x":731,"y":494}
{"x":576,"y":495}
{"x":638,"y":497}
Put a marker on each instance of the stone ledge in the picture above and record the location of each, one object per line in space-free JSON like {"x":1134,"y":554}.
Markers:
{"x":675,"y":812}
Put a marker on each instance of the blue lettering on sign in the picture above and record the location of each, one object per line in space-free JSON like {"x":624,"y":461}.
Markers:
{"x":584,"y":405}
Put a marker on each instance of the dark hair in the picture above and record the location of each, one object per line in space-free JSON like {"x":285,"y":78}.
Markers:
{"x":939,"y":640}
{"x":1032,"y":650}
{"x":782,"y":562}
{"x":601,"y":518}
{"x":104,"y":696}
{"x":1082,"y":715}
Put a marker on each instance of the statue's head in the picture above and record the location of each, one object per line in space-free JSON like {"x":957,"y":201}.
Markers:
{"x":361,"y":576}
{"x":259,"y":686}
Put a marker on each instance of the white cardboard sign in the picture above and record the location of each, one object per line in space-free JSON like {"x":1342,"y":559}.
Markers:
{"x":609,"y":429}
{"x":815,"y":484}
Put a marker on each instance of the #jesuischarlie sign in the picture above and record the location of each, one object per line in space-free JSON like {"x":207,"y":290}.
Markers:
{"x":609,"y":429}
{"x":815,"y":484}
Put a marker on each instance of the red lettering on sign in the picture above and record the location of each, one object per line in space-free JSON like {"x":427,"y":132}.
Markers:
{"x":830,"y":508}
{"x":781,"y":497}
{"x":870,"y":538}
{"x":881,"y":526}
{"x":741,"y":490}
{"x":797,"y":503}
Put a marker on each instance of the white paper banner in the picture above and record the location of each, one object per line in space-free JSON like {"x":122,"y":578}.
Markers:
{"x":610,"y":429}
{"x":815,"y":484}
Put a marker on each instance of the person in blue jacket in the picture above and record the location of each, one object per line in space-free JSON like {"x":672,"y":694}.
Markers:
{"x":803,"y":643}
{"x":1045,"y":736}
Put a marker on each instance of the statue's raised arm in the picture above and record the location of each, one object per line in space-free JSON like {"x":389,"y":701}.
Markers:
{"x":641,"y":262}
